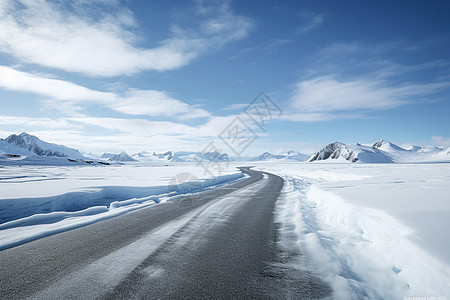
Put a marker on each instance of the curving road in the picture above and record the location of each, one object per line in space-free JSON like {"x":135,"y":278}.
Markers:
{"x":218,"y":244}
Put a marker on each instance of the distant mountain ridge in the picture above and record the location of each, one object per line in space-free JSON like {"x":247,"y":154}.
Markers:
{"x":190,"y":156}
{"x":380,"y":152}
{"x":181,"y":156}
{"x":289,"y":155}
{"x":123,"y":156}
{"x":29,"y":149}
{"x":26,"y":145}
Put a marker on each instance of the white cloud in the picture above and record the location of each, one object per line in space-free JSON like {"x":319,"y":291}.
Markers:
{"x":64,"y":35}
{"x":138,"y":127}
{"x":327,"y":94}
{"x":140,"y":134}
{"x":141,"y":127}
{"x":156,"y":103}
{"x":34,"y":122}
{"x":70,"y":96}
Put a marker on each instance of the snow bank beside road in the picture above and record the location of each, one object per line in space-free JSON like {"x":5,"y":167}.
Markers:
{"x":107,"y":196}
{"x":367,"y":236}
{"x":26,"y":218}
{"x":370,"y":248}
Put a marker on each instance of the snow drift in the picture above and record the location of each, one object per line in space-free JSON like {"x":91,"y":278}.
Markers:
{"x":29,"y":218}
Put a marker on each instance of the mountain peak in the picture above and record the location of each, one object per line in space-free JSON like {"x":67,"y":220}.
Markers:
{"x":26,"y":134}
{"x":122,"y":156}
{"x":291,"y":152}
{"x":387,"y":146}
{"x":335,"y":150}
{"x":35,"y":146}
{"x":380,"y":143}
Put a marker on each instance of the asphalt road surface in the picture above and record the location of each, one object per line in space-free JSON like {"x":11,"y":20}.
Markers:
{"x":218,"y":244}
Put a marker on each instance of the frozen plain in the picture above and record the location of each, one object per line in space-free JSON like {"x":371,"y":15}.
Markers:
{"x":375,"y":231}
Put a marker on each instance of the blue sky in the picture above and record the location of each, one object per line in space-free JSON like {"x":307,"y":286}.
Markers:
{"x":109,"y":75}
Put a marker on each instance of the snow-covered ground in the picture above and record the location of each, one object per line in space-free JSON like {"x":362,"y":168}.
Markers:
{"x":37,"y":201}
{"x":377,"y":231}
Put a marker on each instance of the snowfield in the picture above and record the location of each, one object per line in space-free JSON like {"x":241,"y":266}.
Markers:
{"x":375,"y":231}
{"x":39,"y":201}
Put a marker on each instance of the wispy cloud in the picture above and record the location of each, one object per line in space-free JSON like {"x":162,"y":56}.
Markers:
{"x":137,"y":127}
{"x":325,"y":94}
{"x":312,"y":21}
{"x":34,"y":122}
{"x":353,"y":80}
{"x":307,"y":117}
{"x":142,"y":127}
{"x":242,"y":52}
{"x":274,"y":44}
{"x":76,"y":98}
{"x":64,"y":35}
{"x":236,"y":106}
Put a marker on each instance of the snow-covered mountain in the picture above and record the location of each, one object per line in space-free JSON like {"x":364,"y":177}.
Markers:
{"x":380,"y":152}
{"x":268,"y":156}
{"x":289,"y":155}
{"x":169,"y":156}
{"x":180,"y":156}
{"x":30,"y":145}
{"x":350,"y":153}
{"x":390,"y":147}
{"x":188,"y":156}
{"x":121,"y":157}
{"x":12,"y":150}
{"x":216,"y":156}
{"x":107,"y":155}
{"x":26,"y":149}
{"x":145,"y":156}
